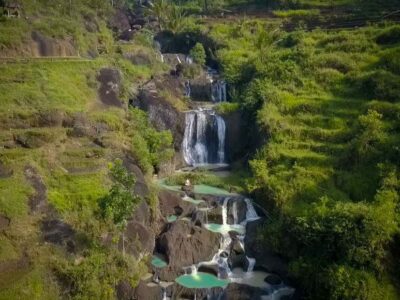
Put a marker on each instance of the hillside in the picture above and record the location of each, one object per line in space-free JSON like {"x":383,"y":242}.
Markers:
{"x":94,"y":108}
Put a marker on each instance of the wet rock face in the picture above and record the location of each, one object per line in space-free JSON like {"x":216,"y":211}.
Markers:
{"x":236,"y":138}
{"x":265,"y":258}
{"x":171,"y":203}
{"x":125,"y":291}
{"x":184,"y":245}
{"x":110,"y":80}
{"x":236,"y":291}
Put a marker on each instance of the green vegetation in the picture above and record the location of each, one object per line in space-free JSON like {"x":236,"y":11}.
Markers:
{"x":198,"y":54}
{"x":118,"y":204}
{"x":328,"y":102}
{"x":53,"y":121}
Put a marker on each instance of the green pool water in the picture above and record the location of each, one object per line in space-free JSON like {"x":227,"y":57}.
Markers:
{"x":224,"y":229}
{"x":201,"y":280}
{"x":198,"y":188}
{"x":172,"y":218}
{"x":158,"y":262}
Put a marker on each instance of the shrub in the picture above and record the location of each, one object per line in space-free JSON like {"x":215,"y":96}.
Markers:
{"x":391,"y":61}
{"x":389,"y":36}
{"x":198,"y":54}
{"x":380,"y":84}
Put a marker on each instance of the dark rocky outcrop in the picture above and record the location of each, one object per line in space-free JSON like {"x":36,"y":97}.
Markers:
{"x":236,"y":291}
{"x":236,"y":136}
{"x":4,"y":222}
{"x":137,"y":239}
{"x":148,"y":291}
{"x":210,"y":269}
{"x":162,"y":114}
{"x":59,"y":233}
{"x":185,"y":245}
{"x":265,"y":258}
{"x":37,"y":201}
{"x":46,"y":46}
{"x":110,"y":81}
{"x":141,"y":187}
{"x":273,"y":279}
{"x":171,"y":203}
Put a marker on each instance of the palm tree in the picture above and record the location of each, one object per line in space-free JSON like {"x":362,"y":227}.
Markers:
{"x":175,"y":19}
{"x":159,"y":9}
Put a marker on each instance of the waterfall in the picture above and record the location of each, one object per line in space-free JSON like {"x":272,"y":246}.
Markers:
{"x":188,"y":89}
{"x":204,"y":138}
{"x":164,"y":297}
{"x":225,"y":211}
{"x":251,"y":213}
{"x":218,"y":91}
{"x":193,"y":270}
{"x":252,"y":262}
{"x":235,"y":213}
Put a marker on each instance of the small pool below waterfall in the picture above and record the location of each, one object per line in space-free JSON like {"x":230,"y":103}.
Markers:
{"x":200,"y":280}
{"x":225,"y":228}
{"x":198,"y":189}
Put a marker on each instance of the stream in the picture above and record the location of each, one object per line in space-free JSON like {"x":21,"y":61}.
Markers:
{"x":204,"y":145}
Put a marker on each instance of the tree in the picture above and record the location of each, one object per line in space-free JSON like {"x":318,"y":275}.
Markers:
{"x":118,"y":204}
{"x":159,"y":9}
{"x":198,"y":54}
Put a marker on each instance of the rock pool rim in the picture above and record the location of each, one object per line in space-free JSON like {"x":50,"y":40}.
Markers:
{"x":201,"y":280}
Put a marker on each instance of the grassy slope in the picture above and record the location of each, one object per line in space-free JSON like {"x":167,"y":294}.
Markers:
{"x":74,"y":170}
{"x":305,"y":89}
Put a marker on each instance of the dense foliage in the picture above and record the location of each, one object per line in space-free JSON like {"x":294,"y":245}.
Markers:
{"x":329,"y":103}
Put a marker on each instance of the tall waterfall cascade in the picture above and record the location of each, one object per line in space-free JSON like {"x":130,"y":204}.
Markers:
{"x":204,"y":138}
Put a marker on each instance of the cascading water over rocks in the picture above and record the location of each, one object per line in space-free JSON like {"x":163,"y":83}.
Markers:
{"x":204,"y":139}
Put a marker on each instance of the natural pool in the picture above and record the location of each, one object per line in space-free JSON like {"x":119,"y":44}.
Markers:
{"x":201,"y":280}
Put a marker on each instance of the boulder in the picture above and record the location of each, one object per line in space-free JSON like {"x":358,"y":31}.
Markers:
{"x":273,"y":279}
{"x":210,"y":269}
{"x":148,"y":291}
{"x":185,"y":245}
{"x":236,"y":291}
{"x":171,"y":203}
{"x":110,"y":81}
{"x":238,"y":261}
{"x":138,"y":239}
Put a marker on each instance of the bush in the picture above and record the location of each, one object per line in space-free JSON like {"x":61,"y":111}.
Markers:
{"x":198,"y":54}
{"x":226,"y":108}
{"x":389,"y":36}
{"x":380,"y":84}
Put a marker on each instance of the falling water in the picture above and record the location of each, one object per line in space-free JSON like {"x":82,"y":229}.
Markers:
{"x":225,"y":211}
{"x":193,"y":270}
{"x":251,"y":213}
{"x":204,"y":138}
{"x":218,"y":91}
{"x":235,"y":213}
{"x":252,"y":262}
